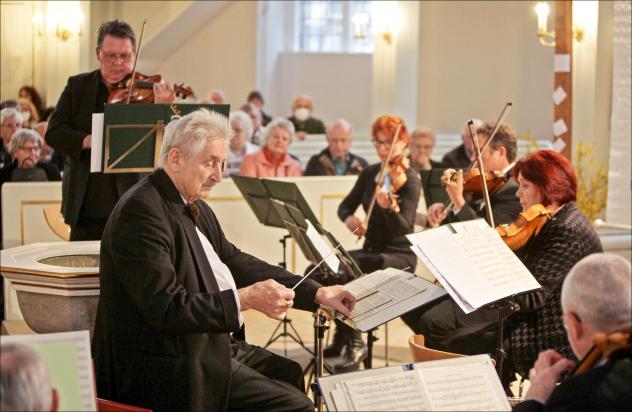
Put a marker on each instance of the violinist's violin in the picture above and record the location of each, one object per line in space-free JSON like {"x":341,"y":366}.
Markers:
{"x":605,"y":346}
{"x":142,"y":89}
{"x":396,"y":178}
{"x":527,"y":225}
{"x":472,"y":181}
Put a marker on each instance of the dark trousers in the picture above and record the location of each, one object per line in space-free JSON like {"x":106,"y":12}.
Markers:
{"x":262,"y":380}
{"x":88,"y":229}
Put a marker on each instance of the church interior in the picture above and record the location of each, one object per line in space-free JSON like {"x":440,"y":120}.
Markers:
{"x":557,"y":72}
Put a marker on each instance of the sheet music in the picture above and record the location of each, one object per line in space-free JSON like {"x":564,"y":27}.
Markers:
{"x":397,"y":391}
{"x":367,"y":303}
{"x":323,"y":248}
{"x":463,"y":384}
{"x":96,"y":150}
{"x":474,"y":261}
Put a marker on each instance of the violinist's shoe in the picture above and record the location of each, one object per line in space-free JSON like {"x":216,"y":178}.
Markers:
{"x":356,"y":353}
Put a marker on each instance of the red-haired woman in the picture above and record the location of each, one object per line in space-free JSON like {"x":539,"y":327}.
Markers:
{"x":392,"y":217}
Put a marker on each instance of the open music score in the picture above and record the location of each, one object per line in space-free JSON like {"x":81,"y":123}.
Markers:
{"x":459,"y":384}
{"x":472,"y":263}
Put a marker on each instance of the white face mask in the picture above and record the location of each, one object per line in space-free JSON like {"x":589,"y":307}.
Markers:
{"x":301,"y":114}
{"x":26,"y":116}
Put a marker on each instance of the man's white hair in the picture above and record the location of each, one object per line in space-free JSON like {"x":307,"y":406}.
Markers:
{"x":342,"y":123}
{"x":24,"y":381}
{"x":22,"y":136}
{"x":10,"y":112}
{"x":597,"y":289}
{"x":278,"y":123}
{"x":191,"y":132}
{"x":244,"y":120}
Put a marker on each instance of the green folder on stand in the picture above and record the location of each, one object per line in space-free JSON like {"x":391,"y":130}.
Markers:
{"x":133,"y":133}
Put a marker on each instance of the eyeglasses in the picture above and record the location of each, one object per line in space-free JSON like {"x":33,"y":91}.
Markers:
{"x":30,"y":148}
{"x":113,"y":57}
{"x":378,"y":143}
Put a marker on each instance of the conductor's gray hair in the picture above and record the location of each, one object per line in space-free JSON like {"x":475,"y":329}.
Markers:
{"x":597,"y":289}
{"x":278,"y":123}
{"x":190,"y":133}
{"x":10,"y":112}
{"x":24,"y":381}
{"x":22,"y":136}
{"x":244,"y":120}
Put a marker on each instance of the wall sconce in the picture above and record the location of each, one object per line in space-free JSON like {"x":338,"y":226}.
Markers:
{"x":547,"y":38}
{"x":387,"y":19}
{"x":62,"y":18}
{"x":360,"y":21}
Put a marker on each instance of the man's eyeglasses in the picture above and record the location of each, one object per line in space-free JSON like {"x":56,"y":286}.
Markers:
{"x":30,"y":148}
{"x":378,"y":143}
{"x":114,"y":57}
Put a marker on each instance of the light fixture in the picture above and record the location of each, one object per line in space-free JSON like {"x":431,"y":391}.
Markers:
{"x":62,"y":18}
{"x":386,"y":19}
{"x":360,"y":21}
{"x":547,"y":38}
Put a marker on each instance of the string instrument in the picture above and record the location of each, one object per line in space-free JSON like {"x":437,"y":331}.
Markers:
{"x":141,"y":90}
{"x":395,"y":179}
{"x":605,"y":346}
{"x":527,"y":225}
{"x":379,"y":181}
{"x":472,"y":181}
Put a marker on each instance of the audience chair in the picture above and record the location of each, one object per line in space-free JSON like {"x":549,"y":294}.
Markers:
{"x":421,"y":353}
{"x":56,"y":222}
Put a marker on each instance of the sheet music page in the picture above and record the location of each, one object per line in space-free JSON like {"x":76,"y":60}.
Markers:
{"x":323,"y":248}
{"x":396,"y":391}
{"x":96,"y":150}
{"x":463,"y":384}
{"x":368,"y":283}
{"x":474,"y":261}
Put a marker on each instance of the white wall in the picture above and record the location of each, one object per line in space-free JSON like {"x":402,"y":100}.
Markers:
{"x":477,"y":55}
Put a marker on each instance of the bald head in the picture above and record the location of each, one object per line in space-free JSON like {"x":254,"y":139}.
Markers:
{"x":339,"y":136}
{"x":597,"y":289}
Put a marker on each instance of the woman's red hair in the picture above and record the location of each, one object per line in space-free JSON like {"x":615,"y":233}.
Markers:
{"x":552,"y":173}
{"x":387,"y":124}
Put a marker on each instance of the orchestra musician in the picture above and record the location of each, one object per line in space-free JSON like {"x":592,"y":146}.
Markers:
{"x":595,"y":300}
{"x":498,"y":156}
{"x":173,"y":289}
{"x":392,"y":217}
{"x":88,"y":198}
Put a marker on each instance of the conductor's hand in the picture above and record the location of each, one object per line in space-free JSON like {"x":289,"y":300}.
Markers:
{"x":268,"y":297}
{"x":545,"y":374}
{"x":164,"y":92}
{"x":336,"y":297}
{"x":354,"y":223}
{"x":436,"y":214}
{"x":452,"y":180}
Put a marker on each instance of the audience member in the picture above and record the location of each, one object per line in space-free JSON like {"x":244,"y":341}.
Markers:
{"x":595,"y":299}
{"x":422,"y":141}
{"x":8,"y":104}
{"x":10,"y":122}
{"x":459,"y":157}
{"x":24,"y":381}
{"x":239,"y":146}
{"x":26,"y":145}
{"x":336,"y":158}
{"x":30,"y":93}
{"x":29,"y":112}
{"x":255,"y":97}
{"x":302,"y":119}
{"x":255,"y":115}
{"x":273,"y":160}
{"x":216,"y":96}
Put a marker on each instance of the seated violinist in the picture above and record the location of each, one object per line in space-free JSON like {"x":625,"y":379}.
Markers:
{"x":499,"y":156}
{"x":595,"y":300}
{"x":392,"y":217}
{"x":88,"y":198}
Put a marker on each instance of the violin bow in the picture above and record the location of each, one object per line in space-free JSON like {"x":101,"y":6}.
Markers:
{"x":140,"y":41}
{"x":477,"y":148}
{"x":380,"y":177}
{"x":508,"y":106}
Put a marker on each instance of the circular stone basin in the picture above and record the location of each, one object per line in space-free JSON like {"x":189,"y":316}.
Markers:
{"x":57,"y":284}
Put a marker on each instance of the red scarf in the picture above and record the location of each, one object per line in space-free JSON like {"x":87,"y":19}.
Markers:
{"x":268,"y":155}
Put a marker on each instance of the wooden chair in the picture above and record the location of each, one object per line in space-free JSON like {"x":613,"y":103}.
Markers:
{"x":56,"y":222}
{"x":421,"y":353}
{"x":110,"y":406}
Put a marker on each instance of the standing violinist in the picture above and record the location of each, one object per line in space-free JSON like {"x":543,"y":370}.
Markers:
{"x":88,"y":198}
{"x":392,"y":217}
{"x":595,"y":299}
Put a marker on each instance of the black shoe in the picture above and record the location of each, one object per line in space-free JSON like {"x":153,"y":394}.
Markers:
{"x":340,"y":340}
{"x":356,"y":353}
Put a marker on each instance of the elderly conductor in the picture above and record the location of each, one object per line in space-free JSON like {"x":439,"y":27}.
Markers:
{"x":173,"y":289}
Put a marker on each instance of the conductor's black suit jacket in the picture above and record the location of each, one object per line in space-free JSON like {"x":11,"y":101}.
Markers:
{"x":70,"y":124}
{"x":162,"y":333}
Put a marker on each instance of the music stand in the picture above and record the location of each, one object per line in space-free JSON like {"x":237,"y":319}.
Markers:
{"x":434,"y":192}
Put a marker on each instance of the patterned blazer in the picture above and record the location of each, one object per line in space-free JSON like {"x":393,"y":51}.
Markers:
{"x":563,"y":241}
